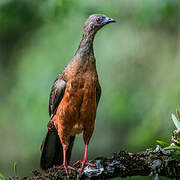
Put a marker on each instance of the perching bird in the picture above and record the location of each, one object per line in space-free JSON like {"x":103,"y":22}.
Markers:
{"x":73,"y":101}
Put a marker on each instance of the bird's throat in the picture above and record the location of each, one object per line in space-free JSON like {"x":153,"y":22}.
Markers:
{"x":86,"y":44}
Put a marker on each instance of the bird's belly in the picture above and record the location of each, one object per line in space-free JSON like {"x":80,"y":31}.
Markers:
{"x":77,"y":128}
{"x":84,"y":111}
{"x":77,"y":106}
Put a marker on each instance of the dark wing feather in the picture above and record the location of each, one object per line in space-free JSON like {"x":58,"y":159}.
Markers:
{"x":56,"y":95}
{"x":52,"y":150}
{"x":98,"y":93}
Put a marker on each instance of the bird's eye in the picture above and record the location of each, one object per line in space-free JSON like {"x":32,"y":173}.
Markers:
{"x":98,"y":20}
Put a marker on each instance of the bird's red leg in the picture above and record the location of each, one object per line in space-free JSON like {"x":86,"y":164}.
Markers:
{"x":65,"y":164}
{"x":85,"y":160}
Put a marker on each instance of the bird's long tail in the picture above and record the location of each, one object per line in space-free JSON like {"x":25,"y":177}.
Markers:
{"x":52,"y":151}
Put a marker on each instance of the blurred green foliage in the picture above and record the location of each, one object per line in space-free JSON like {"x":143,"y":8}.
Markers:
{"x":138,"y":60}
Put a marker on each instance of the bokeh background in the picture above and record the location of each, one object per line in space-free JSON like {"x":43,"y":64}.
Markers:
{"x":138,"y":61}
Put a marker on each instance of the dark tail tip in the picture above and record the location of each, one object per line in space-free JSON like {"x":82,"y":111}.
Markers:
{"x":52,"y":151}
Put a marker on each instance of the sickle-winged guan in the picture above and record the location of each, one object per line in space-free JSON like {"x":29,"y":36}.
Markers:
{"x":73,"y":101}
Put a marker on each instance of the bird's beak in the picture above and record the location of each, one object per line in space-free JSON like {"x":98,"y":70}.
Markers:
{"x":109,"y":20}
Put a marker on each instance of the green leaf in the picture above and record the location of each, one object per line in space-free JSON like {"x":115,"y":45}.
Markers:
{"x":15,"y":168}
{"x":176,"y":122}
{"x":2,"y":177}
{"x":172,"y":147}
{"x":15,"y":171}
{"x":162,"y":143}
{"x":175,"y":156}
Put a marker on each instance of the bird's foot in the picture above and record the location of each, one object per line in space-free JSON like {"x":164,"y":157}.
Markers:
{"x":83,"y":163}
{"x":66,"y":167}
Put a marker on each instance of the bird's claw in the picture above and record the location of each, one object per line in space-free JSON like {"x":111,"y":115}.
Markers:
{"x":83,"y":163}
{"x":66,"y":167}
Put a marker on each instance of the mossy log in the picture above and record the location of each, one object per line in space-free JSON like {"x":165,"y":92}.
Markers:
{"x":153,"y":163}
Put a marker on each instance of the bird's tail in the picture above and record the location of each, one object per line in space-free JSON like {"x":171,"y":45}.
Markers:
{"x":52,"y":151}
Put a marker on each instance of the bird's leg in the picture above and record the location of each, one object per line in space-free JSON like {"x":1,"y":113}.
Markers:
{"x":85,"y":160}
{"x":65,"y":164}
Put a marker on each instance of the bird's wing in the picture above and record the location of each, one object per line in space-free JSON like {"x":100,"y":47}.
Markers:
{"x":98,"y":93}
{"x":56,"y":95}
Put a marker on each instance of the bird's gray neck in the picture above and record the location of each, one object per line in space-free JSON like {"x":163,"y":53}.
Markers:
{"x":86,"y":45}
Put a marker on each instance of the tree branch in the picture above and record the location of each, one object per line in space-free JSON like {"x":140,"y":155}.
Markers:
{"x":156,"y":162}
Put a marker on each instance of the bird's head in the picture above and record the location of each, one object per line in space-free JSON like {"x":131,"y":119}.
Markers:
{"x":96,"y":22}
{"x":91,"y":26}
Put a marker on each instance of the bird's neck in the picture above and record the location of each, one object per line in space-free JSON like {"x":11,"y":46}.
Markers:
{"x":86,"y":45}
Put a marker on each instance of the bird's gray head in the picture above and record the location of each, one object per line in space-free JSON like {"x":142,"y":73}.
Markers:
{"x":96,"y":22}
{"x":91,"y":26}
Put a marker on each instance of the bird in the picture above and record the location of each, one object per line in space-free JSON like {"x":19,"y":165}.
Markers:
{"x":73,"y":102}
